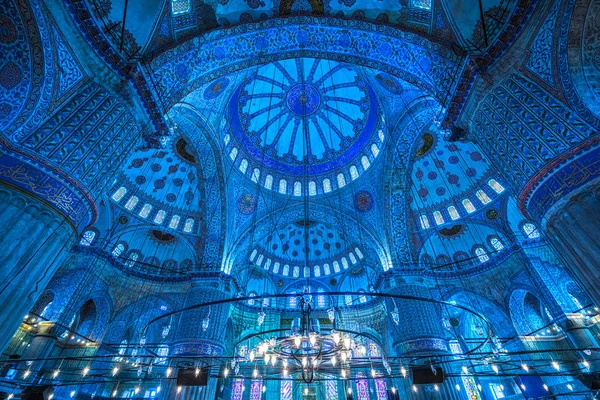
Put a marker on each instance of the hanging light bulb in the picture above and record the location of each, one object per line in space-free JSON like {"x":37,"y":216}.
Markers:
{"x":495,"y":368}
{"x":115,"y":370}
{"x":333,"y":360}
{"x":465,"y":370}
{"x":315,"y":362}
{"x":395,"y":316}
{"x":457,"y":387}
{"x":261,"y":318}
{"x":347,"y":342}
{"x":56,"y":372}
{"x":297,"y":340}
{"x":252,"y":355}
{"x":306,"y":391}
{"x":343,"y":374}
{"x":285,"y":372}
{"x":179,"y":389}
{"x":137,"y":389}
{"x":225,"y":372}
{"x":267,"y":358}
{"x":114,"y":393}
{"x":414,"y":388}
{"x":403,"y":371}
{"x":86,"y":370}
{"x":272,"y":342}
{"x":525,"y":367}
{"x":312,"y":338}
{"x":343,"y":356}
{"x":26,"y":374}
{"x":373,"y":373}
{"x":349,"y":391}
{"x":556,"y":365}
{"x":570,"y":387}
{"x":545,"y":387}
{"x":264,"y":388}
{"x":273,"y":359}
{"x":255,"y":373}
{"x":205,"y":323}
{"x":585,"y":363}
{"x":331,"y":314}
{"x":335,"y":335}
{"x":304,"y":362}
{"x":523,"y":386}
{"x":436,"y":388}
{"x":168,"y":372}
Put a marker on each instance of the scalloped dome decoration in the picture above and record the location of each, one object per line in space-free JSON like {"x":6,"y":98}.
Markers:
{"x":299,"y":117}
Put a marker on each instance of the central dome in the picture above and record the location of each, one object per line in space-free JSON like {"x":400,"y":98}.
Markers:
{"x":304,"y":117}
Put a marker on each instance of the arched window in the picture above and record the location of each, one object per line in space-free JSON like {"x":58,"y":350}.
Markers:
{"x":345,"y":263}
{"x":496,"y":244}
{"x":481,"y":254}
{"x":374,"y":150}
{"x":276,"y":267}
{"x":160,"y":216}
{"x":267,"y":264}
{"x":498,"y":188}
{"x":286,"y":270}
{"x":381,"y":389}
{"x":253,"y":254}
{"x":439,"y":219}
{"x":341,"y":180}
{"x":283,"y":186}
{"x":352,"y":258}
{"x":296,"y":271}
{"x":321,"y":299}
{"x":297,"y":189}
{"x":174,"y":222}
{"x":353,"y":172}
{"x":251,"y":300}
{"x":269,"y":182}
{"x":121,"y":351}
{"x":326,"y":269}
{"x":255,"y":175}
{"x":244,"y":166}
{"x":133,"y":257}
{"x":293,"y":301}
{"x":189,"y":225}
{"x":118,"y":195}
{"x":145,"y":211}
{"x":453,"y":213}
{"x":358,"y":253}
{"x":364,"y":161}
{"x":482,"y":196}
{"x":87,"y":238}
{"x":133,"y":200}
{"x":336,"y":267}
{"x":179,"y":7}
{"x":424,"y":221}
{"x":326,"y":185}
{"x":423,"y":4}
{"x":317,"y":270}
{"x":226,"y":139}
{"x":468,"y":205}
{"x":312,"y":188}
{"x":119,"y":248}
{"x":233,"y":153}
{"x":531,"y":230}
{"x":260,"y":259}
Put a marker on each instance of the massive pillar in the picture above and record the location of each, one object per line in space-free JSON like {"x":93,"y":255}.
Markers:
{"x":34,"y":241}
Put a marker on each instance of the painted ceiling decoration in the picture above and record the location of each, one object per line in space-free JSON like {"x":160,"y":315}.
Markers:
{"x":299,"y":199}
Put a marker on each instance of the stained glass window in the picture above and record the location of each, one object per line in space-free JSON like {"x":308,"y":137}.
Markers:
{"x":118,"y":250}
{"x":331,"y":390}
{"x":296,"y":271}
{"x":269,"y":182}
{"x":118,"y":195}
{"x":496,"y":244}
{"x":87,"y":238}
{"x":374,"y":350}
{"x":255,"y":175}
{"x":312,"y":188}
{"x":286,"y":270}
{"x":286,"y":390}
{"x":297,"y":189}
{"x":276,"y":267}
{"x":233,"y":153}
{"x":352,"y":258}
{"x":341,"y":180}
{"x":260,"y":259}
{"x":498,"y":188}
{"x":317,"y":271}
{"x":180,"y":6}
{"x":468,"y":205}
{"x":374,"y":150}
{"x":424,"y":221}
{"x":237,"y":391}
{"x":439,"y":219}
{"x":244,"y":166}
{"x":482,"y":196}
{"x":336,"y":266}
{"x":253,"y":254}
{"x":381,"y":387}
{"x":353,"y":172}
{"x":481,"y":254}
{"x":321,"y":299}
{"x":174,"y":222}
{"x":326,"y":269}
{"x":267,"y":264}
{"x":256,"y":389}
{"x":283,"y":186}
{"x":160,"y":216}
{"x":358,"y":253}
{"x":453,"y":213}
{"x":345,"y":263}
{"x":189,"y":225}
{"x":133,"y":200}
{"x":226,"y":139}
{"x":293,"y":301}
{"x":145,"y":211}
{"x":531,"y":231}
{"x":362,"y":389}
{"x":326,"y":185}
{"x":364,"y":161}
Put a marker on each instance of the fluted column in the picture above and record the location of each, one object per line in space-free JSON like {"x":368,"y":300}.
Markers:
{"x":574,"y":231}
{"x":34,"y":241}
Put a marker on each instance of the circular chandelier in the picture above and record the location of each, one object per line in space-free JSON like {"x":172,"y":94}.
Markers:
{"x":305,"y":348}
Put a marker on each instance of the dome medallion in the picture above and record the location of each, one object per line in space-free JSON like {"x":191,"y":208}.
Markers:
{"x":304,"y":117}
